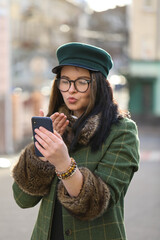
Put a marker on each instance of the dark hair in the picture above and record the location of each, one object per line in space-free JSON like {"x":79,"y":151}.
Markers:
{"x":101,"y":103}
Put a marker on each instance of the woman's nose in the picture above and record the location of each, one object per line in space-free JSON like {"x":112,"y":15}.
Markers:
{"x":72,"y":88}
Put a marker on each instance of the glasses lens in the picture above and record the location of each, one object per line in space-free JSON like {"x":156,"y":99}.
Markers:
{"x":81,"y":85}
{"x":63,"y":84}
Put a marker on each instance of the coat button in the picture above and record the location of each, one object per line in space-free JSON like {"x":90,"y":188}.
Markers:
{"x":68,"y":232}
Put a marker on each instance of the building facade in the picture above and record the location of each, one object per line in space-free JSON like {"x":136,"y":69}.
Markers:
{"x":37,"y":28}
{"x":5,"y":80}
{"x":144,"y":65}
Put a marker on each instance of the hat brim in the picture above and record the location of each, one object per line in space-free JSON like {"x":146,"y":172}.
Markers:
{"x":58,"y":68}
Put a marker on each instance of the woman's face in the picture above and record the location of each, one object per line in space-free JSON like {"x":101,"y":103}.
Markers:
{"x":74,"y":100}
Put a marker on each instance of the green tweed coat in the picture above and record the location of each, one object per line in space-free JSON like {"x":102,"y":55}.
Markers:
{"x":97,"y":213}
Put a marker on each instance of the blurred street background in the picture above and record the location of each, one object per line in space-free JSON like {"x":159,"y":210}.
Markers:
{"x":30,"y":32}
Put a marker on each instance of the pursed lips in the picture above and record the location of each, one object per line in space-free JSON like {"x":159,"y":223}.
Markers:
{"x":72,"y":100}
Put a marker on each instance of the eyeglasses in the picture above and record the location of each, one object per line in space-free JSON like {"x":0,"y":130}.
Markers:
{"x":80,"y":84}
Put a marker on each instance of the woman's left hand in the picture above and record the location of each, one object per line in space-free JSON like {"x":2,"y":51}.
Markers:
{"x":53,"y":148}
{"x":60,"y":122}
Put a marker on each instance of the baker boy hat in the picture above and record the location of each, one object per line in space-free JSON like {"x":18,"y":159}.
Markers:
{"x":85,"y":56}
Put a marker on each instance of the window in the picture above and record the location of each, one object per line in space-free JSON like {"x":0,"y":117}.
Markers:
{"x":149,"y":5}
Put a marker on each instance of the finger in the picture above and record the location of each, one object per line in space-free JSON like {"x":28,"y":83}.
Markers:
{"x":45,"y":135}
{"x":41,"y":113}
{"x":57,"y":135}
{"x":59,"y":122}
{"x":40,"y":149}
{"x":59,"y":118}
{"x":54,"y":116}
{"x":40,"y":140}
{"x":64,"y":127}
{"x":52,"y":137}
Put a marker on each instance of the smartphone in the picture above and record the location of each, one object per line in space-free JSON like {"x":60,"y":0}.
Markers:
{"x":37,"y":122}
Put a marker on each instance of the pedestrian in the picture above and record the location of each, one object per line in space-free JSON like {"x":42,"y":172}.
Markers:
{"x":89,"y":159}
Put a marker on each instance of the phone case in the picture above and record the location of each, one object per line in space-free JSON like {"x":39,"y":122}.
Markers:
{"x":37,"y":122}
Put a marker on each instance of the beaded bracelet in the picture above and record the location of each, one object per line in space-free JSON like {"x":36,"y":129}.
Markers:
{"x":71,"y":170}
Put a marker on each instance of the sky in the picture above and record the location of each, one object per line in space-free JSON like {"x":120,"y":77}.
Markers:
{"x":102,"y":5}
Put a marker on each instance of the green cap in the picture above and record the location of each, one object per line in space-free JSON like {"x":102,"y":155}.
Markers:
{"x":84,"y":56}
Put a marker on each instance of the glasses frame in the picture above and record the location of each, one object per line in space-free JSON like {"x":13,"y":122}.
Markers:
{"x":74,"y":82}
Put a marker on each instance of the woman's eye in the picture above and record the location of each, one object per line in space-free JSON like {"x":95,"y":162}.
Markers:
{"x":82,"y":81}
{"x":64,"y":81}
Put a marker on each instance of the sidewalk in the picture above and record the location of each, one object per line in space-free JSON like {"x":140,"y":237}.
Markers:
{"x":149,"y":142}
{"x":7,"y":161}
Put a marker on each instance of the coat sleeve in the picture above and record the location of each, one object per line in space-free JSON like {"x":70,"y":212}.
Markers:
{"x":24,"y":200}
{"x":92,"y":199}
{"x":110,"y":180}
{"x":33,"y":175}
{"x":120,"y":161}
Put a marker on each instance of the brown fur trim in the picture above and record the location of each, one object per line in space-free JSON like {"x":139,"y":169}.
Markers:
{"x":92,"y":200}
{"x":33,"y":175}
{"x":87,"y":132}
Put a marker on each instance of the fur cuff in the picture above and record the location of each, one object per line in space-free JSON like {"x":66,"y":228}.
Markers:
{"x":92,"y":200}
{"x":33,"y":175}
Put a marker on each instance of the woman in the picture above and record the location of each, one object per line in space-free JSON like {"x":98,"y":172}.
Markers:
{"x":88,"y":161}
